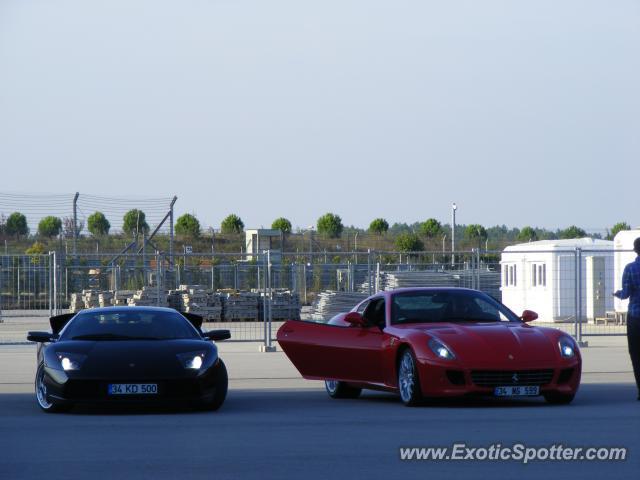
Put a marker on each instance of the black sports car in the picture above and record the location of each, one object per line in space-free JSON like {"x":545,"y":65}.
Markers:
{"x":128,"y":355}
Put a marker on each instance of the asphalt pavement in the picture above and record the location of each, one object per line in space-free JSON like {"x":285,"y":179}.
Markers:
{"x":277,"y":425}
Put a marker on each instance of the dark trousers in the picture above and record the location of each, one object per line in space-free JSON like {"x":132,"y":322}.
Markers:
{"x":633,"y":337}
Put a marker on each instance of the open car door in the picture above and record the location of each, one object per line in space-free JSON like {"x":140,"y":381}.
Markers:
{"x":323,"y":351}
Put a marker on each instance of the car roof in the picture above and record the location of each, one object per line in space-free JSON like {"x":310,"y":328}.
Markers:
{"x":122,"y":309}
{"x":431,"y":289}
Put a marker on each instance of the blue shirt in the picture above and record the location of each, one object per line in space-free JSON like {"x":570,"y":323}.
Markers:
{"x":631,"y":287}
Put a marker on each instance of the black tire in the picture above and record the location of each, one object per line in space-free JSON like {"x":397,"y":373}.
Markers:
{"x":556,"y":398}
{"x":337,"y":389}
{"x":408,"y":379}
{"x":222,"y":384}
{"x":42,"y":399}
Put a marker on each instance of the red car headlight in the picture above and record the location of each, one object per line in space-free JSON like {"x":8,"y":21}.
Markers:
{"x":441,"y":350}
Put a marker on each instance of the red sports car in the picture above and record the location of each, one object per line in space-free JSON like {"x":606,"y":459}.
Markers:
{"x":434,"y":342}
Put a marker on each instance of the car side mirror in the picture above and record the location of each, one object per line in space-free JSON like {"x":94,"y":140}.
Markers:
{"x":354,"y":319}
{"x":41,"y":337}
{"x":217,"y":335}
{"x":528,"y":316}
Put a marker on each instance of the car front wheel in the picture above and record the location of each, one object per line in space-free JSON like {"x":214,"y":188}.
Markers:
{"x":337,"y":389}
{"x":408,"y":382}
{"x":222,"y":384}
{"x":41,"y":394}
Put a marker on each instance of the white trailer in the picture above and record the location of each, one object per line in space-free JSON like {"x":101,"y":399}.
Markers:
{"x":624,"y":254}
{"x":541,"y":276}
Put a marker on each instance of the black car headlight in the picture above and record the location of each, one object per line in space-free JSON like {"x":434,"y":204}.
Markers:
{"x":71,"y":361}
{"x":441,"y":350}
{"x":567,"y":347}
{"x":192,"y":360}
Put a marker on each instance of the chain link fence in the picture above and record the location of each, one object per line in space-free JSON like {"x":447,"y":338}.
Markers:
{"x":570,"y":289}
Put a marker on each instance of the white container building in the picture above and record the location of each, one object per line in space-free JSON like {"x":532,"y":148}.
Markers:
{"x":541,"y":276}
{"x":624,"y":254}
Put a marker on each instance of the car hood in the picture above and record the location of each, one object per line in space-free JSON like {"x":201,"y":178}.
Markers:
{"x":490,"y":344}
{"x":135,"y":358}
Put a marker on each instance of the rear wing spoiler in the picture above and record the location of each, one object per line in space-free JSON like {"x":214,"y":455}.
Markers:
{"x":58,"y":322}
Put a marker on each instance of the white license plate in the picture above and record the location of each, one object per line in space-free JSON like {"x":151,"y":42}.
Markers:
{"x":516,"y":391}
{"x":133,"y":389}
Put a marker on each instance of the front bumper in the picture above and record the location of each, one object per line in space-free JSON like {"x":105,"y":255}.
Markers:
{"x":63,"y":389}
{"x":451,"y":379}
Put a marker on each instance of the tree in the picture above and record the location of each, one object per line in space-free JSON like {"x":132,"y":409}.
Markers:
{"x":618,"y":227}
{"x":527,"y":234}
{"x":50,"y":227}
{"x":330,"y":225}
{"x":409,"y":242}
{"x":36,"y":249}
{"x":98,"y":224}
{"x":68,"y":227}
{"x":431,"y":228}
{"x":188,"y":225}
{"x":572,"y":232}
{"x":17,"y":225}
{"x":281,"y":224}
{"x":475,"y":232}
{"x":379,"y":226}
{"x":134,"y":221}
{"x":232,"y":224}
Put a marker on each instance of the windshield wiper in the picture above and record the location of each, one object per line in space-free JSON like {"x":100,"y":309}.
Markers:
{"x":110,"y":336}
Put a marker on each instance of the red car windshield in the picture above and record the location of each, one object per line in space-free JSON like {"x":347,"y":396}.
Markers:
{"x":447,"y":306}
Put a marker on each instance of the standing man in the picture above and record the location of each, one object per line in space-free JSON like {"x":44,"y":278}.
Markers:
{"x":631,"y":290}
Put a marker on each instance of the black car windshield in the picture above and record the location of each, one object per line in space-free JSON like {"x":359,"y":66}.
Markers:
{"x":128,"y":324}
{"x":447,"y":306}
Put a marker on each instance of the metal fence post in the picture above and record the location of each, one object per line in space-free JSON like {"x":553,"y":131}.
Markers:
{"x":55,"y":284}
{"x":50,"y":289}
{"x":575,"y":295}
{"x":267,"y":346}
{"x":158,"y":277}
{"x":579,"y":283}
{"x":478,"y":269}
{"x":369,"y":271}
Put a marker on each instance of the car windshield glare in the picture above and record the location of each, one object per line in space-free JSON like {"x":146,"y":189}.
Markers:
{"x":129,"y":325}
{"x":447,"y":306}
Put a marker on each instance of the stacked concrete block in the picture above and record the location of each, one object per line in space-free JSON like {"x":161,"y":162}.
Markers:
{"x":203,"y":302}
{"x":285,"y":305}
{"x":105,"y":299}
{"x":148,"y":296}
{"x":121,"y":297}
{"x":91,"y":298}
{"x":76,"y":303}
{"x":241,"y":306}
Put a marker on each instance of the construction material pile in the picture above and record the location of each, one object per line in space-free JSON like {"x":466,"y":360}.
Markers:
{"x":201,"y":301}
{"x":148,"y":297}
{"x":91,"y":298}
{"x":285,"y":305}
{"x":241,"y":305}
{"x":77,"y":303}
{"x":105,"y":299}
{"x":487,"y":281}
{"x":213,"y":306}
{"x":330,"y":303}
{"x":121,"y":297}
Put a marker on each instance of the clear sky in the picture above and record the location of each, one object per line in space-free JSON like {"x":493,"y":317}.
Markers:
{"x":522,"y":112}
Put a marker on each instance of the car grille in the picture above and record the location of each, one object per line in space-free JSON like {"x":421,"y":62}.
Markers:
{"x":494,"y":378}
